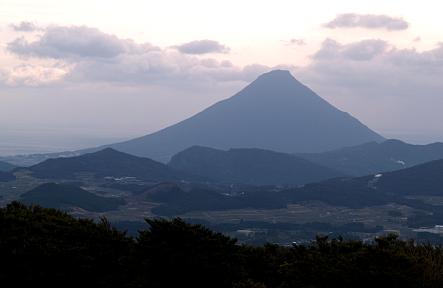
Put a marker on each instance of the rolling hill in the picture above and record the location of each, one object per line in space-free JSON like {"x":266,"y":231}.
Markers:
{"x":376,"y":189}
{"x":403,"y":187}
{"x":249,"y":166}
{"x":104,"y":163}
{"x":63,"y":196}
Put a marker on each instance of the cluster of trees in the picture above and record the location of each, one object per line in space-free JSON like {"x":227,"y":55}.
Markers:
{"x":40,"y":246}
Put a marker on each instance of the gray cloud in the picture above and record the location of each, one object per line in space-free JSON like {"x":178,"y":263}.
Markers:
{"x":25,"y":26}
{"x":73,"y":41}
{"x":162,"y":68}
{"x":202,"y":47}
{"x":358,"y":51}
{"x":369,"y":21}
{"x":386,"y":87}
{"x":375,"y":61}
{"x":90,"y":55}
{"x":295,"y":42}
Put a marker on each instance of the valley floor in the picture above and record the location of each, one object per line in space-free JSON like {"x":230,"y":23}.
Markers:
{"x":299,"y":222}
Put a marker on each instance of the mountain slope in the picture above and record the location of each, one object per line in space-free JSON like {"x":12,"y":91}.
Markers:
{"x":249,"y":166}
{"x":6,"y":167}
{"x":53,"y":195}
{"x":275,"y":112}
{"x":376,"y":157}
{"x":107,"y":162}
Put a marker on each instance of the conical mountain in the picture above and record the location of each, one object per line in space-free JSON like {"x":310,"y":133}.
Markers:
{"x":275,"y":112}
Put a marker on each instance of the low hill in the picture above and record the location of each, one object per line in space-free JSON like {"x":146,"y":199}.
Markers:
{"x":408,"y":187}
{"x":62,"y":196}
{"x":104,"y":163}
{"x":421,"y":180}
{"x":376,"y":157}
{"x":250,"y":166}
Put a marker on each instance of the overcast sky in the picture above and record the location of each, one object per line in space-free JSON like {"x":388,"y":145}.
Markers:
{"x":85,"y":72}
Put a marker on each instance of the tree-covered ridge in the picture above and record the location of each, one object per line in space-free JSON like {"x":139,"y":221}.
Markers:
{"x":250,"y":166}
{"x":40,"y":246}
{"x":105,"y":163}
{"x":64,"y":196}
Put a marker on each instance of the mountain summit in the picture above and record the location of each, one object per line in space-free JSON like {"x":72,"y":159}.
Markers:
{"x":274,"y":112}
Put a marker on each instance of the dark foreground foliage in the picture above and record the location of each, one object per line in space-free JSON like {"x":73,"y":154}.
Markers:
{"x":48,"y":248}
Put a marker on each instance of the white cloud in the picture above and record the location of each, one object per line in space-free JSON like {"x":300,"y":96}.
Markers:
{"x":32,"y":75}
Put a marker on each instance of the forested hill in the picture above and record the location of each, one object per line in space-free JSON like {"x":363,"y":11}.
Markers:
{"x":107,"y":162}
{"x":250,"y":166}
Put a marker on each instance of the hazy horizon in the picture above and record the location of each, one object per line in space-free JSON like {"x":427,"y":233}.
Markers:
{"x":49,"y":139}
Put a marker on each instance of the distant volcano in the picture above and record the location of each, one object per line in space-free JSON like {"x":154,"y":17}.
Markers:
{"x":274,"y":112}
